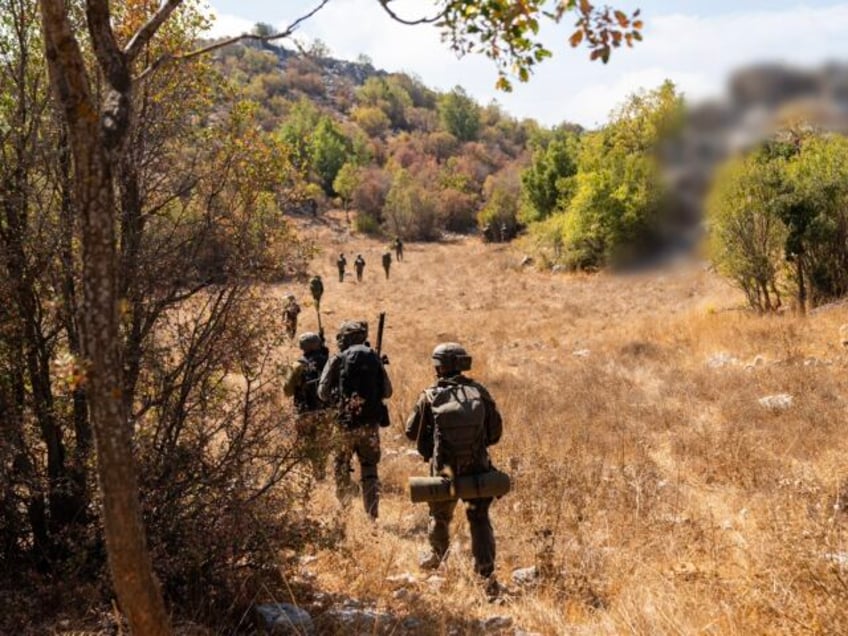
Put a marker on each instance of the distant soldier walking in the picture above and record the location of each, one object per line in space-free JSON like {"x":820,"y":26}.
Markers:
{"x":316,"y":288}
{"x":356,"y":381}
{"x":313,"y":422}
{"x":341,"y":263}
{"x":387,"y":262}
{"x":290,"y":314}
{"x":359,"y":266}
{"x":398,"y":249}
{"x":453,"y":423}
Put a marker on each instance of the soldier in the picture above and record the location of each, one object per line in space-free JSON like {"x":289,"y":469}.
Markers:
{"x":316,"y":288}
{"x":398,"y":249}
{"x":290,"y":313}
{"x":453,"y":423}
{"x":359,"y":266}
{"x":312,"y":424}
{"x":356,"y":380}
{"x":341,"y":263}
{"x":387,"y":262}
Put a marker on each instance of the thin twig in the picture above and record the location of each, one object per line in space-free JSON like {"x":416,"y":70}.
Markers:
{"x":288,"y":31}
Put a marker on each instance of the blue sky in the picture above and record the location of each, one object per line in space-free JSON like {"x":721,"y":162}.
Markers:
{"x":695,"y":43}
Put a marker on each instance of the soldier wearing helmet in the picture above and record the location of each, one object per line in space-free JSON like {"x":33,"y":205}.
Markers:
{"x":341,"y":263}
{"x":312,"y":423}
{"x":453,"y":423}
{"x":291,"y":310}
{"x":359,"y":267}
{"x":356,"y":381}
{"x":387,"y":262}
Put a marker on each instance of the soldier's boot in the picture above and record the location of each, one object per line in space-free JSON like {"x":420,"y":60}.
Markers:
{"x":482,"y":536}
{"x":438,"y":533}
{"x":371,"y":491}
{"x":429,"y":560}
{"x":492,"y":589}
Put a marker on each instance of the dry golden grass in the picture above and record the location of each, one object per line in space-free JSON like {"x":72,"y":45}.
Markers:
{"x":653,"y":491}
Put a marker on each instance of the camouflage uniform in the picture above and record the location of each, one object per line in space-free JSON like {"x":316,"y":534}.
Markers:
{"x":398,"y":249}
{"x":316,"y":288}
{"x":290,"y":314}
{"x":313,"y":423}
{"x":387,"y":262}
{"x":341,"y":263}
{"x":359,"y":266}
{"x":420,"y":427}
{"x":363,"y":440}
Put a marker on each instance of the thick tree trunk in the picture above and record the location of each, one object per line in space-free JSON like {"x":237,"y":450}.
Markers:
{"x":92,"y":135}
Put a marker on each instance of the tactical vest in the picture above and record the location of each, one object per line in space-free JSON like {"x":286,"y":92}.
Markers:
{"x":361,"y":387}
{"x":306,"y":393}
{"x":459,"y":417}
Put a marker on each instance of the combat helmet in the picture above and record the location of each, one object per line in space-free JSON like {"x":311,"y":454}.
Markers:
{"x":351,"y":332}
{"x":450,"y":358}
{"x":309,"y":341}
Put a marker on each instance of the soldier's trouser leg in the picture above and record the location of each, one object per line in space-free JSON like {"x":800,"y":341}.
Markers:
{"x":368,"y":452}
{"x":341,"y":467}
{"x":482,"y":535}
{"x":438,"y":530}
{"x":321,"y":443}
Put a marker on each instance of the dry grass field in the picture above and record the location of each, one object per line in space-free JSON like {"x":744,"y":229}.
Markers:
{"x":653,"y":491}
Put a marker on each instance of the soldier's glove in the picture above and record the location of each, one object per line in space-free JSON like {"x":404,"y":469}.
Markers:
{"x":384,"y":359}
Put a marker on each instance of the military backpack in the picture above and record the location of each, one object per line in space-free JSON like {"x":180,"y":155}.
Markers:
{"x":361,"y":388}
{"x":459,"y":418}
{"x":306,"y":394}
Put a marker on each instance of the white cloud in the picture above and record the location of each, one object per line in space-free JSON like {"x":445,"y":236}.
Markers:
{"x":225,"y":24}
{"x":695,"y":52}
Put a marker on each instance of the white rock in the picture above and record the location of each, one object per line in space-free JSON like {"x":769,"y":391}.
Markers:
{"x":496,"y":622}
{"x":777,"y":402}
{"x":840,"y":558}
{"x":721,"y":359}
{"x":581,"y":353}
{"x":525,"y":576}
{"x":401,"y":580}
{"x":435,"y":582}
{"x":283,"y":618}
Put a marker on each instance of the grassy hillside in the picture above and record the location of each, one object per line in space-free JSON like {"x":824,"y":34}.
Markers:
{"x":653,"y":491}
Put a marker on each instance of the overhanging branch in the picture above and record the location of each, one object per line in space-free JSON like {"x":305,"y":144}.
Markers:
{"x":394,"y":16}
{"x":148,"y":30}
{"x":181,"y":57}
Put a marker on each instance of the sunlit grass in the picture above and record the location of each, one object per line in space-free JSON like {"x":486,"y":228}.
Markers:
{"x":652,"y":489}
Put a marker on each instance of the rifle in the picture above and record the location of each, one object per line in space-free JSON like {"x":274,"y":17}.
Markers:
{"x":320,"y":327}
{"x":381,"y":324}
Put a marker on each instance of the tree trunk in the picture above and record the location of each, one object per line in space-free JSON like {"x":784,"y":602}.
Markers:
{"x":802,"y":289}
{"x":92,"y":135}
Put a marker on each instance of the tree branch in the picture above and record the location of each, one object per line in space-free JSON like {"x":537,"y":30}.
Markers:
{"x":394,"y":16}
{"x":288,"y":31}
{"x":109,"y":55}
{"x":149,"y":29}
